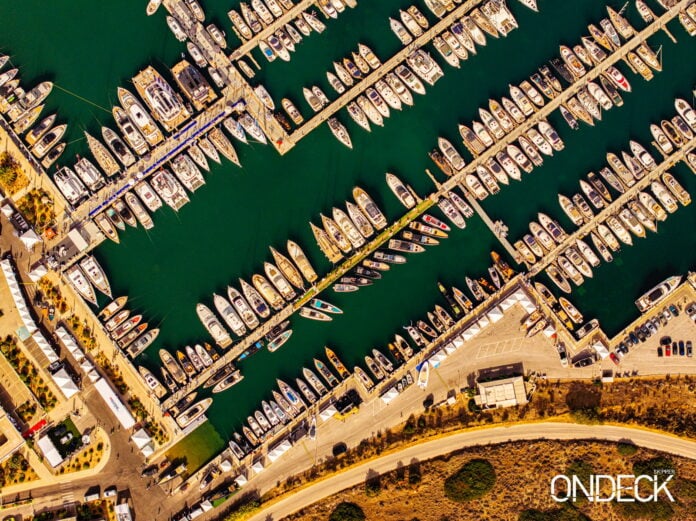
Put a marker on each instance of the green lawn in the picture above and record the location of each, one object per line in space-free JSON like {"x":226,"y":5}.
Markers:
{"x":197,"y":448}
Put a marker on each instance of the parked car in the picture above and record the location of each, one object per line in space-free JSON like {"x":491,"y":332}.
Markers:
{"x":668,"y":350}
{"x":689,"y":348}
{"x":665,"y":340}
{"x":614,"y":358}
{"x":673,"y":309}
{"x":682,"y":351}
{"x":633,"y":338}
{"x":659,"y":352}
{"x":666,"y":313}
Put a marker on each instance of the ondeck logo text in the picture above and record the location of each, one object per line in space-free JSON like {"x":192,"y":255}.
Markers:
{"x":625,"y":488}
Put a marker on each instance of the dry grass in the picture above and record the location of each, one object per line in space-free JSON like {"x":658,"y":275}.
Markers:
{"x":523,"y":473}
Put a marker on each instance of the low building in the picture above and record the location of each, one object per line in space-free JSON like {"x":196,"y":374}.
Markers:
{"x":506,"y":392}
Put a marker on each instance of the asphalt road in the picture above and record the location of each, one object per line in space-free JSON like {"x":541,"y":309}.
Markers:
{"x":431,"y":449}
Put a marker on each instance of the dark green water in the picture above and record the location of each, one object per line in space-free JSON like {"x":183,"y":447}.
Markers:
{"x":225,"y":231}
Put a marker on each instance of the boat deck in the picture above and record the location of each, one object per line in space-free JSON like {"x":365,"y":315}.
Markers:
{"x":613,"y":207}
{"x":248,"y":45}
{"x":386,"y":67}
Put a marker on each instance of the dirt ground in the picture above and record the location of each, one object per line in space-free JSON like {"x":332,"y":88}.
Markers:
{"x":523,"y":474}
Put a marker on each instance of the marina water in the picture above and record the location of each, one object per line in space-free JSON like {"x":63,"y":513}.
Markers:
{"x":89,"y":48}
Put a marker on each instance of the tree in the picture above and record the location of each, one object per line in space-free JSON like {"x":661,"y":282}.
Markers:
{"x":475,"y":479}
{"x":347,"y":512}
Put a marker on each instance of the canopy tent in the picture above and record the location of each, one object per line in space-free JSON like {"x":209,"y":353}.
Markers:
{"x":483,"y":321}
{"x":29,"y":239}
{"x":279,"y":450}
{"x":93,"y":376}
{"x":467,"y":334}
{"x":7,"y":210}
{"x":87,"y":366}
{"x":458,"y":342}
{"x":148,"y":450}
{"x":68,"y":340}
{"x":601,"y":349}
{"x":225,"y":465}
{"x":49,"y":451}
{"x":475,"y":329}
{"x":437,"y":358}
{"x":141,"y":438}
{"x":508,"y":303}
{"x":65,"y":383}
{"x":526,"y":302}
{"x":17,"y":295}
{"x":114,"y":403}
{"x":258,"y":467}
{"x":328,"y":413}
{"x":206,"y":505}
{"x":241,"y":480}
{"x":450,"y":348}
{"x":550,"y":331}
{"x":495,"y":315}
{"x":389,"y":395}
{"x":27,"y":318}
{"x":45,"y":347}
{"x":39,"y":271}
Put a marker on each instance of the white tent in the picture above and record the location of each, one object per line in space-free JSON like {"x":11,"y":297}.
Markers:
{"x":389,"y":395}
{"x":65,"y":383}
{"x":258,"y":467}
{"x":549,"y":331}
{"x":141,"y":438}
{"x":474,"y":329}
{"x":601,"y":349}
{"x":279,"y":450}
{"x":495,"y":314}
{"x":30,"y":239}
{"x":86,"y":366}
{"x":328,"y":413}
{"x":458,"y":342}
{"x":527,"y":304}
{"x":467,"y":334}
{"x":114,"y":403}
{"x":39,"y":271}
{"x":68,"y":341}
{"x":93,"y":376}
{"x":225,"y":465}
{"x":148,"y":450}
{"x":45,"y":347}
{"x":7,"y":210}
{"x":450,"y":348}
{"x":483,"y":321}
{"x":206,"y":505}
{"x":508,"y":302}
{"x":49,"y":451}
{"x":241,"y":480}
{"x":26,"y":318}
{"x":437,"y":359}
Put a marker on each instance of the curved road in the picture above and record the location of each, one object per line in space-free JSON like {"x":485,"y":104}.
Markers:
{"x":434,"y":448}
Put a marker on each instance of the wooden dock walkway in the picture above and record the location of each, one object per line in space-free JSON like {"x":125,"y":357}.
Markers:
{"x":354,"y":91}
{"x":494,"y":228}
{"x":562,"y":97}
{"x":613,"y":207}
{"x":237,"y":349}
{"x":249,"y":45}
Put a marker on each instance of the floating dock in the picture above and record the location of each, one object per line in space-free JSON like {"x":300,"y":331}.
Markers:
{"x":613,"y":207}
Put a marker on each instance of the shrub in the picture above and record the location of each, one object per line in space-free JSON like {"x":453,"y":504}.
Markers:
{"x":475,"y":479}
{"x":626,"y":449}
{"x":347,"y":512}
